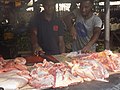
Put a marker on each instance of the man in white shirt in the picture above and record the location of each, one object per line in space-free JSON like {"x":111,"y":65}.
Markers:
{"x":86,"y":29}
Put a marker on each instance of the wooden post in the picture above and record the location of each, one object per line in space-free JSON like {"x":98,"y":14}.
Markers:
{"x":107,"y":24}
{"x":34,"y":7}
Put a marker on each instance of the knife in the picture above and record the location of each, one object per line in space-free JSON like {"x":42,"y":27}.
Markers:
{"x":47,"y":57}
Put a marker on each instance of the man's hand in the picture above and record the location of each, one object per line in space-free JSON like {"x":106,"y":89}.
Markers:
{"x":38,"y":51}
{"x":86,"y":49}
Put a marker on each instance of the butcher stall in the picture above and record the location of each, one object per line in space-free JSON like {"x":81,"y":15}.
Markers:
{"x":68,"y":71}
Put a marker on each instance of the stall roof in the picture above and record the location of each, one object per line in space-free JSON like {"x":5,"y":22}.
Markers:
{"x":60,"y":1}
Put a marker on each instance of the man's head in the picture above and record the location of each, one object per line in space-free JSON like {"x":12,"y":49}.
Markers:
{"x":86,"y":7}
{"x":49,"y":6}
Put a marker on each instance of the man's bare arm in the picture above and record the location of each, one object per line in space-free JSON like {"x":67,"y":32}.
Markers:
{"x":34,"y":39}
{"x":93,"y":39}
{"x":61,"y":44}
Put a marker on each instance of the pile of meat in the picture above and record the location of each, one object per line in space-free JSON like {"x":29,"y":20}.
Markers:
{"x":94,"y":66}
{"x":17,"y":63}
{"x":13,"y":71}
{"x":48,"y":74}
{"x":110,"y":60}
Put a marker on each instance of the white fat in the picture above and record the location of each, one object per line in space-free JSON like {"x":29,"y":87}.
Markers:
{"x":13,"y":83}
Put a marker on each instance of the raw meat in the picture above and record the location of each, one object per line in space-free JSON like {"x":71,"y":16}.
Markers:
{"x":55,"y":75}
{"x":41,"y":78}
{"x":88,"y":70}
{"x":11,"y":81}
{"x":110,"y":60}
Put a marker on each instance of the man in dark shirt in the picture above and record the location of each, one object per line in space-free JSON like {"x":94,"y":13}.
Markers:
{"x":47,"y":30}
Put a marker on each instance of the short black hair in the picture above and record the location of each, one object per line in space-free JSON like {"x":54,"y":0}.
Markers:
{"x":46,"y":1}
{"x":92,"y":1}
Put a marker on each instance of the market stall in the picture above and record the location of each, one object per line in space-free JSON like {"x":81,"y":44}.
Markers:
{"x":69,"y":71}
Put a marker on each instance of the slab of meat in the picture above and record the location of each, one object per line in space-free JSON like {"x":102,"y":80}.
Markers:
{"x":88,"y":70}
{"x":43,"y":82}
{"x":17,"y":63}
{"x":20,"y":60}
{"x":65,"y":78}
{"x":25,"y":74}
{"x":41,"y":78}
{"x":110,"y":60}
{"x":55,"y":75}
{"x":48,"y":74}
{"x":11,"y":81}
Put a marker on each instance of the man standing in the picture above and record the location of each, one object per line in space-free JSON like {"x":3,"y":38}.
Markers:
{"x":47,"y":30}
{"x":86,"y":28}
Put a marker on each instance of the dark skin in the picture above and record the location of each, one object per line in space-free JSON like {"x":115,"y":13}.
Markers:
{"x":86,"y":12}
{"x":49,"y":12}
